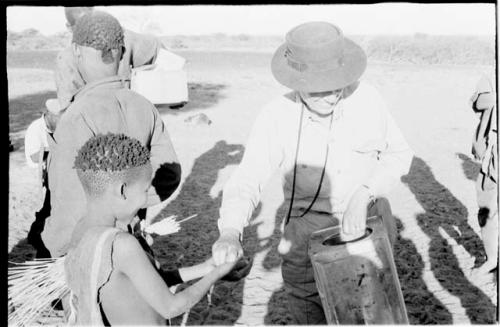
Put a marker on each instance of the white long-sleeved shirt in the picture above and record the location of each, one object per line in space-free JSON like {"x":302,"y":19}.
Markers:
{"x":365,"y":148}
{"x":35,"y":140}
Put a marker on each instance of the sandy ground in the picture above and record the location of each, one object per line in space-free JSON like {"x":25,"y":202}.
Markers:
{"x":438,"y":239}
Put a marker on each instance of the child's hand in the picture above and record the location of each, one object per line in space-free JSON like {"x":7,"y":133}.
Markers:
{"x":224,"y":268}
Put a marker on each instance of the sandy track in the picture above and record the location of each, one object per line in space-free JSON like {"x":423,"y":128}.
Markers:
{"x":438,"y":238}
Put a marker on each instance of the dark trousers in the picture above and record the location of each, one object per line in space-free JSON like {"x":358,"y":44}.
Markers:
{"x":36,"y":229}
{"x":297,"y":271}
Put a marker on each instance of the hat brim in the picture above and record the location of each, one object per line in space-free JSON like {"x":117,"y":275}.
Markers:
{"x":354,"y":65}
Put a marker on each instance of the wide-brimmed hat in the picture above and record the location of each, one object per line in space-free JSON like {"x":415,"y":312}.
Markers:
{"x":53,"y":106}
{"x":316,"y":57}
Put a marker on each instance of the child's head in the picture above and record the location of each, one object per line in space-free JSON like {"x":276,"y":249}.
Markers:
{"x":115,"y":168}
{"x":98,"y":44}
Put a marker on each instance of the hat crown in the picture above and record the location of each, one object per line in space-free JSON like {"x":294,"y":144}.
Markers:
{"x":315,"y":42}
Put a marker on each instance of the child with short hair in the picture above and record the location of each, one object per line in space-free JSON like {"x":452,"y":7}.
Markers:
{"x":112,"y":280}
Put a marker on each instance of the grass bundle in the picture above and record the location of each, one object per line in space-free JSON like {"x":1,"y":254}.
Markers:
{"x":32,"y":288}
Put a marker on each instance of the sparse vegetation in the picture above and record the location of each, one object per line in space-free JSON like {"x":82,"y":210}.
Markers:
{"x":409,"y":49}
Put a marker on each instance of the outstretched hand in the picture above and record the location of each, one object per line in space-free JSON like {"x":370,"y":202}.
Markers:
{"x":227,"y":248}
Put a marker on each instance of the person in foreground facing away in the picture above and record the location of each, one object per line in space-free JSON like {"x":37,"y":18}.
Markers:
{"x":104,"y":105}
{"x":485,"y":150}
{"x":139,"y":50}
{"x":336,"y":146}
{"x":112,"y":280}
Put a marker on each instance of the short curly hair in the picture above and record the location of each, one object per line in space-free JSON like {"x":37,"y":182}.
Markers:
{"x":101,"y":31}
{"x":104,"y":159}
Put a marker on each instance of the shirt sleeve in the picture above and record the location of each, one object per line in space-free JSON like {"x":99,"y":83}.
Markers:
{"x":241,"y":194}
{"x":68,"y":79}
{"x":394,"y":161}
{"x":144,"y":48}
{"x":32,"y":143}
{"x":166,"y":167}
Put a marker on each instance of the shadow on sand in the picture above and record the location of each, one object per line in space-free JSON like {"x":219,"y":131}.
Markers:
{"x":444,"y":213}
{"x":200,"y":95}
{"x":193,"y":243}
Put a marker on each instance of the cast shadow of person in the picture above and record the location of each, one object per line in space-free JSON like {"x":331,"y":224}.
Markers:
{"x":444,"y":213}
{"x":193,"y":243}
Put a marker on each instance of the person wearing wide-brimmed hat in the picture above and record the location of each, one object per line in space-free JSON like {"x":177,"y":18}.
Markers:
{"x":335,"y":144}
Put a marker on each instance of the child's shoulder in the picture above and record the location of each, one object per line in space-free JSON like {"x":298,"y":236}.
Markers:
{"x":126,"y":246}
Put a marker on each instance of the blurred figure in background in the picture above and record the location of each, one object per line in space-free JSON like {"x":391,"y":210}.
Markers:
{"x":36,"y":149}
{"x":485,"y":150}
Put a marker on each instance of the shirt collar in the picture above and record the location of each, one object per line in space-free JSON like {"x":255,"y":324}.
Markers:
{"x":337,"y":111}
{"x":116,"y":80}
{"x":44,"y":123}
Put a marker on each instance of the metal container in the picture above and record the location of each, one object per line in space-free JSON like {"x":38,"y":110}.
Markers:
{"x":357,"y":280}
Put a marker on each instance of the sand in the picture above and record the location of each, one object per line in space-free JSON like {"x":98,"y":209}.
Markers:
{"x":438,"y":238}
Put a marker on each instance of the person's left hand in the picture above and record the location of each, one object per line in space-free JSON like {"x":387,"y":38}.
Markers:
{"x":354,"y":220}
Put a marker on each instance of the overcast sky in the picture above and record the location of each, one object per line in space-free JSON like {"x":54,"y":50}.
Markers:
{"x":383,"y":18}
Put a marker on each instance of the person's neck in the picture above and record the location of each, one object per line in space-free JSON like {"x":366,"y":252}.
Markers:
{"x":98,"y":75}
{"x":99,"y":213}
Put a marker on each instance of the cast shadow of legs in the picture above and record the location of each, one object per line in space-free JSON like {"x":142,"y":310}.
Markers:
{"x":444,"y":213}
{"x":193,"y":243}
{"x":421,"y":305}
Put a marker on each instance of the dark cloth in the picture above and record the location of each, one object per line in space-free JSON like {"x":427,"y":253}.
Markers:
{"x":298,"y":275}
{"x":36,"y":228}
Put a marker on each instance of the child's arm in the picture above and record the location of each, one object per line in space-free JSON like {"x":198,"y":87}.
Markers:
{"x":197,"y":271}
{"x":130,"y":259}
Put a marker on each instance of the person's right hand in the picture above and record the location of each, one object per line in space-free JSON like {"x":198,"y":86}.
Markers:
{"x":227,"y":249}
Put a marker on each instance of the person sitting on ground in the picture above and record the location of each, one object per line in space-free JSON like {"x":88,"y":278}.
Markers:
{"x":112,"y":280}
{"x":139,"y":50}
{"x":485,"y":150}
{"x":36,"y":150}
{"x":103,"y":105}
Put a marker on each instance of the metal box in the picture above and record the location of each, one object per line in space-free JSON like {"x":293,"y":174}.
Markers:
{"x":357,"y":280}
